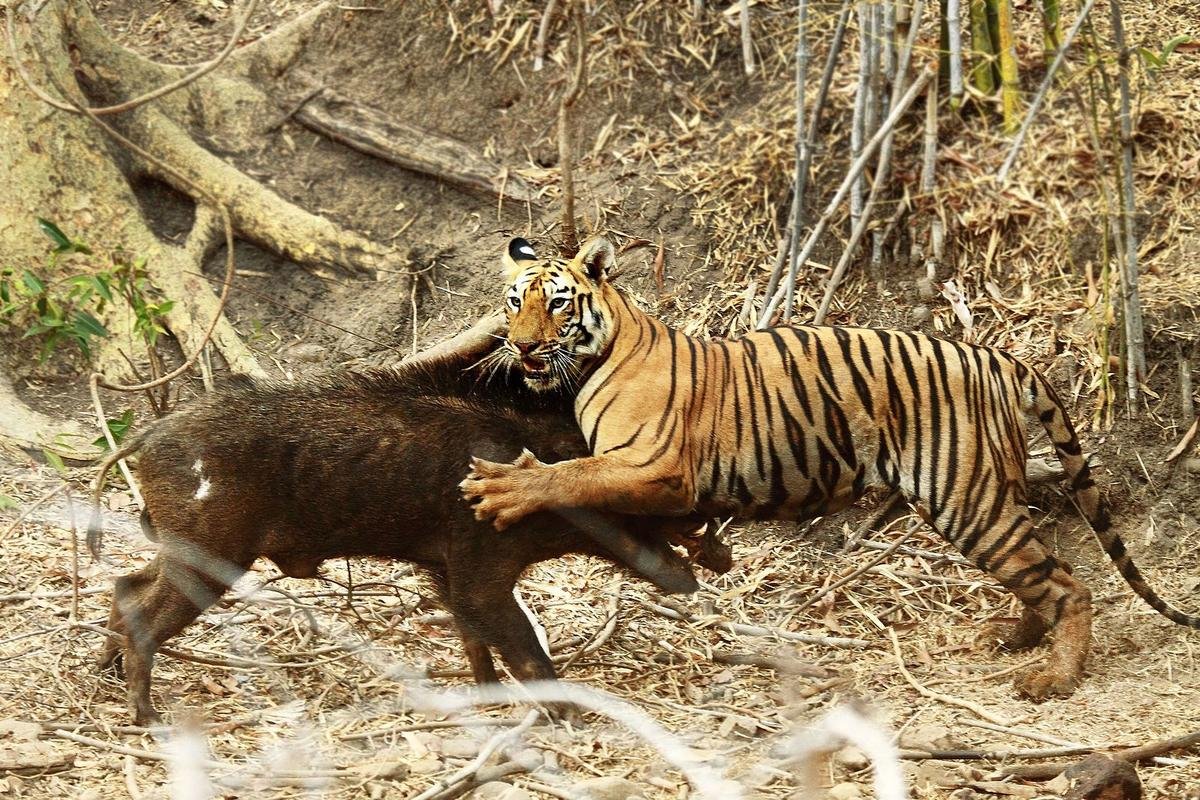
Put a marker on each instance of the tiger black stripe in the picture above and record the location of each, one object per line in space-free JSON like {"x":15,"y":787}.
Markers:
{"x":793,"y":422}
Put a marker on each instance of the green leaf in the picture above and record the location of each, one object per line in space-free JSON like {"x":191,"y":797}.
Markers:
{"x":1171,"y":44}
{"x":54,"y":460}
{"x":7,"y":503}
{"x":117,"y":427}
{"x":62,"y":244}
{"x":89,"y":325}
{"x":101,"y":284}
{"x":32,"y":282}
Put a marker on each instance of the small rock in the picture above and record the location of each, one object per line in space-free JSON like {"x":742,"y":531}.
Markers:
{"x":460,"y":748}
{"x":306,"y":351}
{"x":920,"y":315}
{"x":928,"y":738}
{"x":426,"y":766}
{"x":851,"y":758}
{"x":19,"y":730}
{"x":846,"y":791}
{"x":607,"y":788}
{"x":925,"y":289}
{"x":392,"y":769}
{"x":499,"y":790}
{"x":1099,"y":777}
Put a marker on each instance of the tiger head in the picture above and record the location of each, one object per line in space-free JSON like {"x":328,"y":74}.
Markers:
{"x":557,"y":311}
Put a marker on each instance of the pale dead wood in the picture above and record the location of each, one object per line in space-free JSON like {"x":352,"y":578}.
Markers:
{"x":940,"y":697}
{"x":672,"y":610}
{"x":505,"y":738}
{"x":384,"y":136}
{"x":1044,"y":772}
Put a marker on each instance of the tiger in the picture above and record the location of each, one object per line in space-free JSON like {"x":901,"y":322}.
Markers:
{"x":794,"y":422}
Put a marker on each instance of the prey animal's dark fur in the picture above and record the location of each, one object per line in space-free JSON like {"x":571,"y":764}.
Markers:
{"x":362,"y":465}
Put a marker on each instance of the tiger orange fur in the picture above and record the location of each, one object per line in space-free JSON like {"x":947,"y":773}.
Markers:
{"x":796,"y":422}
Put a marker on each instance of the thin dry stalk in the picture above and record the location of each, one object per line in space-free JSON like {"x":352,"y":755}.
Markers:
{"x":803,"y":144}
{"x":566,"y":131}
{"x":1035,"y":106}
{"x":1187,"y":407}
{"x":747,"y":42}
{"x":1136,"y":345}
{"x":852,"y":174}
{"x":954,"y":36}
{"x":539,"y":52}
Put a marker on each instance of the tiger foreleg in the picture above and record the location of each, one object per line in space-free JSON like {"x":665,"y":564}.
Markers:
{"x":506,"y":493}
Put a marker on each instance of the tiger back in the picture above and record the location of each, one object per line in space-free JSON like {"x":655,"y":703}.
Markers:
{"x":795,"y":422}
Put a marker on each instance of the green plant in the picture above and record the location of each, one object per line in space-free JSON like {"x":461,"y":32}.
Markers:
{"x":64,"y":310}
{"x":117,"y":427}
{"x":56,"y":316}
{"x":132,"y":285}
{"x":1153,"y":61}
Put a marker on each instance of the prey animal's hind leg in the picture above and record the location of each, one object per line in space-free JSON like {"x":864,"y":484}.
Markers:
{"x":126,"y":590}
{"x":1000,"y":540}
{"x":154,"y":611}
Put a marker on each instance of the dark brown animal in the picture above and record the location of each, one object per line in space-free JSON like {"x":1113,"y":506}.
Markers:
{"x":362,"y":465}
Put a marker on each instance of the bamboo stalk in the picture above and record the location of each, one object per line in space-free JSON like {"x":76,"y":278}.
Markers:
{"x":857,"y":123}
{"x":1059,"y":58}
{"x":566,"y":131}
{"x":1051,"y":27}
{"x":983,"y":50}
{"x":747,"y":43}
{"x":1010,"y":87}
{"x":792,"y":235}
{"x":954,"y":40}
{"x":933,"y":254}
{"x":882,"y":168}
{"x":803,"y":145}
{"x":855,"y":170}
{"x":1136,"y":345}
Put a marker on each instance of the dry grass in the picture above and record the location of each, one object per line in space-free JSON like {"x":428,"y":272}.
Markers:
{"x":330,"y":668}
{"x":1023,"y":257}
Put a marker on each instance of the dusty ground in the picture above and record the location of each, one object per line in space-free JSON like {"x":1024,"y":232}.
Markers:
{"x":697,"y":158}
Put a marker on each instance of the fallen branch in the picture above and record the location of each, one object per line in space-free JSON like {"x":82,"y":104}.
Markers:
{"x":463,"y":777}
{"x":1185,"y":442}
{"x":781,"y":664}
{"x":860,"y":571}
{"x":1045,"y":772}
{"x":376,"y":133}
{"x":924,"y":691}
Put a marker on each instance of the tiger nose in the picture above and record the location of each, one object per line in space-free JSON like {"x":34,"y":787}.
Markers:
{"x":525,"y":346}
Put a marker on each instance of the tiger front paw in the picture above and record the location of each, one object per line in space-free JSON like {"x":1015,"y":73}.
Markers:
{"x":503,"y":493}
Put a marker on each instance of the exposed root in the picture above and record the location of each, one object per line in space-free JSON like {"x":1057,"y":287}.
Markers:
{"x":258,"y":213}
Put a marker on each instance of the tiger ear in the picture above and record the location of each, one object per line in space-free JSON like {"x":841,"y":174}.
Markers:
{"x":517,"y":254}
{"x":596,"y":258}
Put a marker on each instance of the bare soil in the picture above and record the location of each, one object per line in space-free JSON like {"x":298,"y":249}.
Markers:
{"x":326,"y":659}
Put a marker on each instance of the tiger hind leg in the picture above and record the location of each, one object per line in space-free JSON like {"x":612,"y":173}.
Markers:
{"x":1054,"y":601}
